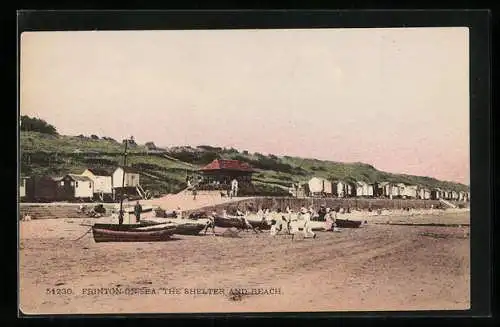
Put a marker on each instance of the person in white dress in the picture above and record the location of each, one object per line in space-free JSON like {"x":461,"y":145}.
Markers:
{"x":308,"y":233}
{"x":303,"y":222}
{"x":234,"y":188}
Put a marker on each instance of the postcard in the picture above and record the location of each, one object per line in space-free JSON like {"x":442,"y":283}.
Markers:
{"x":244,"y":170}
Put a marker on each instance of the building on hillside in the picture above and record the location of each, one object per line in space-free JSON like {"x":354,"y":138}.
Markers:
{"x":388,"y":190}
{"x":218,"y":175}
{"x":126,"y":180}
{"x":436,"y":193}
{"x":364,"y":189}
{"x":339,"y":189}
{"x":361,"y":188}
{"x":410,"y":192}
{"x":327,"y":188}
{"x":22,"y":187}
{"x":298,"y":190}
{"x":319,"y":187}
{"x":103,"y":182}
{"x":351,"y":189}
{"x":462,"y":196}
{"x":74,"y":187}
{"x":424,"y":193}
{"x":397,"y":190}
{"x":378,"y":189}
{"x":41,"y":189}
{"x":343,"y":189}
{"x":385,"y":189}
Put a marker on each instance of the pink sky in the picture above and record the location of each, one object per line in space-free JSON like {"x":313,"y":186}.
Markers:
{"x":394,"y":98}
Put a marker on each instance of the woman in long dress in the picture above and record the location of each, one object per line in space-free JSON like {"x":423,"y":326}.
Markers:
{"x":329,"y":220}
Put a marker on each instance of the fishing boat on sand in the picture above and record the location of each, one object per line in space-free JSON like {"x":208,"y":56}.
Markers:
{"x":260,"y":224}
{"x":346,"y":223}
{"x":142,"y":232}
{"x":229,"y":221}
{"x":132,"y":232}
{"x":189,"y":228}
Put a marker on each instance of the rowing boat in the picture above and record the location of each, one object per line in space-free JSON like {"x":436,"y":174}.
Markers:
{"x":189,"y":228}
{"x":346,"y":223}
{"x":260,"y":224}
{"x":132,"y":232}
{"x":230,"y":221}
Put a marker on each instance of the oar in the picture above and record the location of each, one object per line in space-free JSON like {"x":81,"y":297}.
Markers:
{"x":83,"y":234}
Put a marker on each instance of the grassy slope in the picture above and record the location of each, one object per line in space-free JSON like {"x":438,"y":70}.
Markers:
{"x":53,"y":155}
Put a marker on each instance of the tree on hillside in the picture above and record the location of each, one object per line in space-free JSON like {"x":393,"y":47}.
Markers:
{"x":94,"y":137}
{"x":37,"y":125}
{"x":150,"y":145}
{"x":107,"y":138}
{"x":131,"y":142}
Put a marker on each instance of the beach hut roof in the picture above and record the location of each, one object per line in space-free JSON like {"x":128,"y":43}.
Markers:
{"x":99,"y":171}
{"x":129,"y":170}
{"x":81,"y":178}
{"x":225,"y":164}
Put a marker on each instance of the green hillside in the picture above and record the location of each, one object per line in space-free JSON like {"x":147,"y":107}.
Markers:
{"x":164,"y":171}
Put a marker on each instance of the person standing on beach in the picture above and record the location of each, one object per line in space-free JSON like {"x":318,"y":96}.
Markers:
{"x":137,"y":211}
{"x":120,"y":217}
{"x":328,"y":220}
{"x":194,"y":192}
{"x":234,"y":188}
{"x":306,"y":218}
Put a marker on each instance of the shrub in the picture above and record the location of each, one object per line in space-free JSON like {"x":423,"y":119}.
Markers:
{"x":37,"y":125}
{"x":150,"y":145}
{"x":109,"y":139}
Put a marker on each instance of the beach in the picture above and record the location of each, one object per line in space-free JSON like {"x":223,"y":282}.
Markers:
{"x":375,"y":267}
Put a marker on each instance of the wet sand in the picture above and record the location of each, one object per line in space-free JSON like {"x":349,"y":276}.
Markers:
{"x":375,"y":267}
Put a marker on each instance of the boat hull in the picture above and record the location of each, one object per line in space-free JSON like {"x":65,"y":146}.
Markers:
{"x":262,"y":225}
{"x":189,"y":229}
{"x":344,"y":223}
{"x":229,"y":222}
{"x":130,"y":233}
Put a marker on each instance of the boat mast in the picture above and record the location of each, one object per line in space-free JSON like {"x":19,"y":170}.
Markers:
{"x":120,"y":220}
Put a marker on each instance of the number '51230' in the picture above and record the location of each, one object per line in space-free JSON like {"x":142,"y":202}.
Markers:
{"x":58,"y":291}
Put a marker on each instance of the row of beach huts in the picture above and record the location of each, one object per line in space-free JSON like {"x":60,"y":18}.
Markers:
{"x":91,"y":184}
{"x":321,"y":187}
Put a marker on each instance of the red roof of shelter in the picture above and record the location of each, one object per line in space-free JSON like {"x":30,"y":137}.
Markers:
{"x":222,"y":164}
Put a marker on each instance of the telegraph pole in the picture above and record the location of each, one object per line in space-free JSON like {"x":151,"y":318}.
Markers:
{"x":120,"y":215}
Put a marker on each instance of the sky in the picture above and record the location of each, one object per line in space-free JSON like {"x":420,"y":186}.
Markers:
{"x":396,"y":98}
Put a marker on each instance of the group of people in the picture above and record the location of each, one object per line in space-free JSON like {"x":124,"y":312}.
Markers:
{"x":96,"y":212}
{"x":137,"y":213}
{"x":232,"y":192}
{"x":291,"y":223}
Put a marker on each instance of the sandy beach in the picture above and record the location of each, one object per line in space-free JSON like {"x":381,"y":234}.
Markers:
{"x":375,"y":267}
